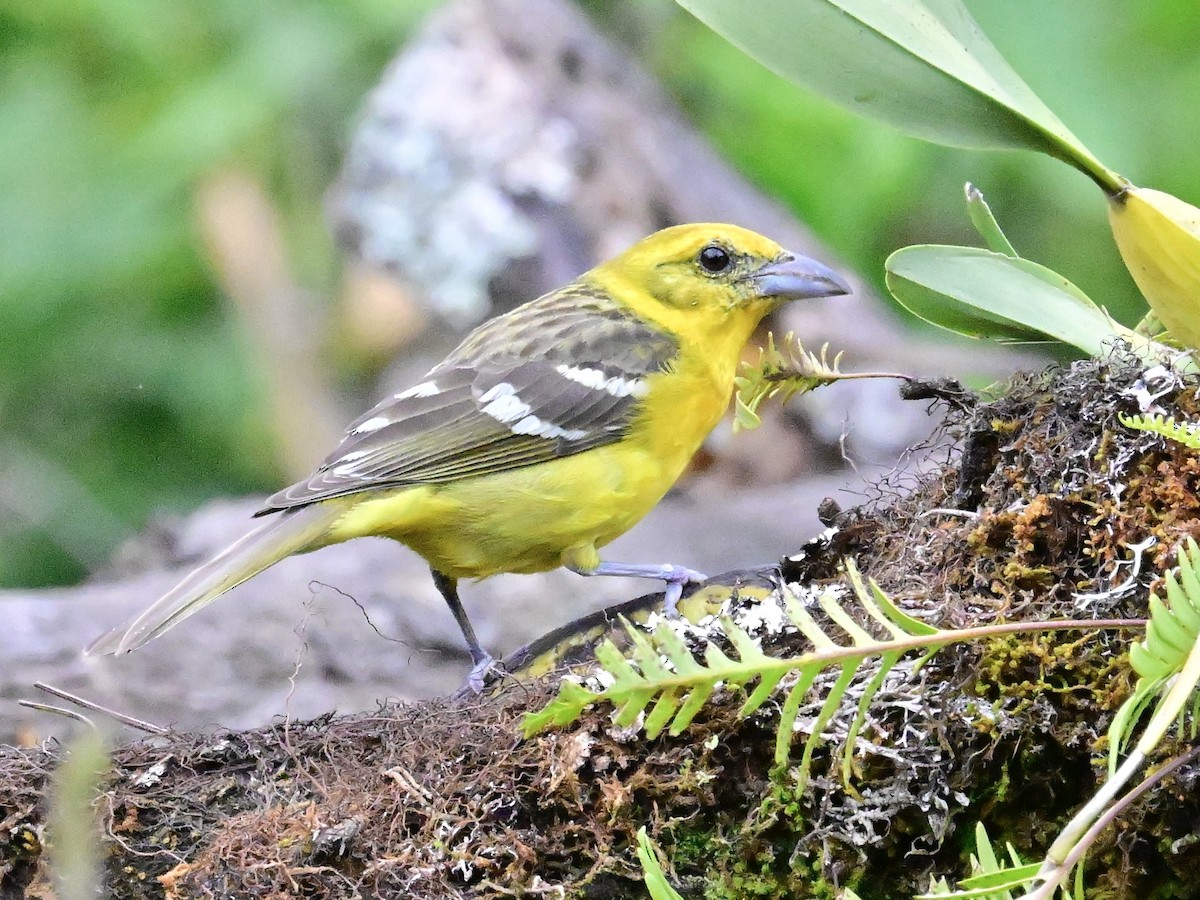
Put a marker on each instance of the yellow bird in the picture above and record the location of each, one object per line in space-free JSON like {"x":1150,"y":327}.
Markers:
{"x":548,"y":432}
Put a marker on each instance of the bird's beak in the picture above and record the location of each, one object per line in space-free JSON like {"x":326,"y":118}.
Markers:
{"x":797,"y":278}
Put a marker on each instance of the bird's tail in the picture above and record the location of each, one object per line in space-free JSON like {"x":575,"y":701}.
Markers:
{"x":293,"y":531}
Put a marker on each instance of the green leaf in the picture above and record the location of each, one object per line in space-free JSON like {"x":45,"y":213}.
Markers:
{"x":762,"y":692}
{"x":696,"y":699}
{"x":564,"y":709}
{"x":906,"y":622}
{"x":1186,"y":433}
{"x":985,"y":223}
{"x":787,"y":718}
{"x":661,"y":713}
{"x":979,"y":293}
{"x":656,"y":879}
{"x":1169,"y":637}
{"x":783,"y":372}
{"x":744,"y":418}
{"x":991,"y":883}
{"x":1167,"y":660}
{"x":923,"y":66}
{"x":829,"y":708}
{"x":887,"y":662}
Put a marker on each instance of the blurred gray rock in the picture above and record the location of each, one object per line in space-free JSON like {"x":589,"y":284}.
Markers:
{"x":296,"y":641}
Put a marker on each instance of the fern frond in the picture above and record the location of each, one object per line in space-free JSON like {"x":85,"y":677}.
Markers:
{"x":1167,"y":662}
{"x":887,"y":661}
{"x":833,"y":701}
{"x":784,"y":371}
{"x":882,"y":609}
{"x":659,"y":679}
{"x":659,"y":669}
{"x":1186,"y":433}
{"x":1171,"y":637}
{"x":879,"y":607}
{"x":781,"y":372}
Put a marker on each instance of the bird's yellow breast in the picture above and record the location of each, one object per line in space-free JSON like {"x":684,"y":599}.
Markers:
{"x":523,"y":520}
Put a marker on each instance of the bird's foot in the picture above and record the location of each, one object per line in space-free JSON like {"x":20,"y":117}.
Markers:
{"x":484,"y":666}
{"x":676,"y":577}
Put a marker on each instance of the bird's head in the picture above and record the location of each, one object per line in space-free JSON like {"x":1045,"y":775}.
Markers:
{"x":719,"y":274}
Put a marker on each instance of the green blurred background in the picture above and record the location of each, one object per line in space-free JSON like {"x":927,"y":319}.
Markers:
{"x":124,"y":381}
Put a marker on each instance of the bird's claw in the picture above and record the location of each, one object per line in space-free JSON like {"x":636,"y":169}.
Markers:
{"x":477,"y":678}
{"x":676,"y":578}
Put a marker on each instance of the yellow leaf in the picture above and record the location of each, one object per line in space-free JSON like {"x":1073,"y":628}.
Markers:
{"x":1159,"y":239}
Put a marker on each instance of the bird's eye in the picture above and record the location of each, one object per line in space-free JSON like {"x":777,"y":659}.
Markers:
{"x":715,"y":259}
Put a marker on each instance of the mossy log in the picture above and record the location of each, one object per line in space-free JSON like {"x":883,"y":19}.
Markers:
{"x":1030,"y":514}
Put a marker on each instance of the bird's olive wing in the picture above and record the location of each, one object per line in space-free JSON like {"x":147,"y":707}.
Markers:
{"x":526,"y":388}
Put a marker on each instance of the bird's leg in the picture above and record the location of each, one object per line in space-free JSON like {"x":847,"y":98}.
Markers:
{"x":482,"y":660}
{"x":675,"y":577}
{"x":586,"y":561}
